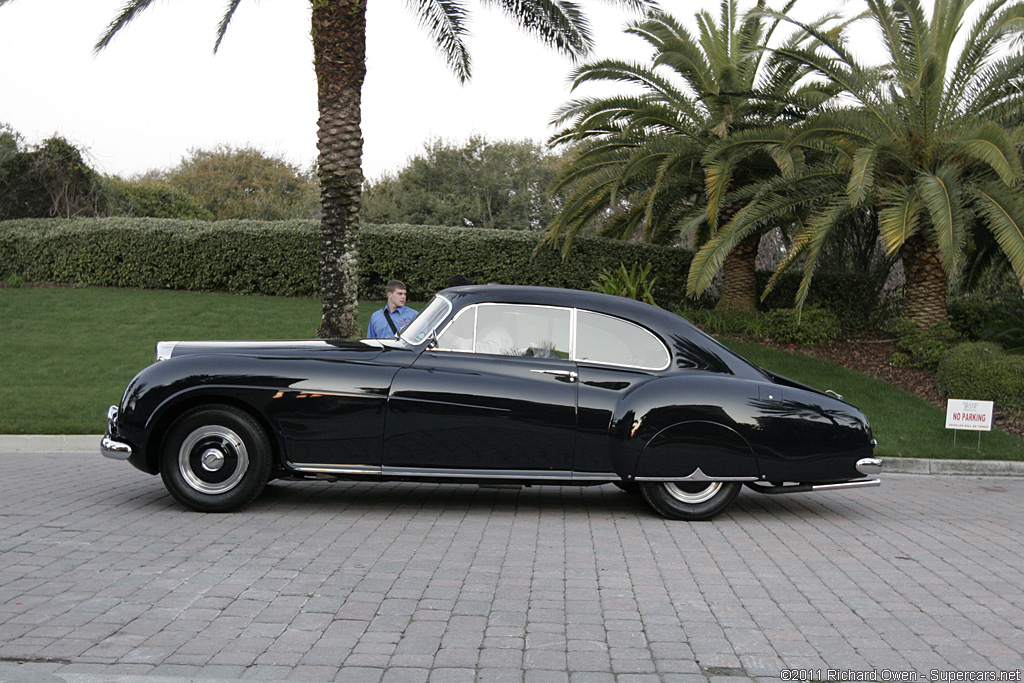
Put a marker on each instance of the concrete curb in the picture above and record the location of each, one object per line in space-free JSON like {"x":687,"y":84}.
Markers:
{"x":81,"y":443}
{"x":49,"y":443}
{"x":980,"y":468}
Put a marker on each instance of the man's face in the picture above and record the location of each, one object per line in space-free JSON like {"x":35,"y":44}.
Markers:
{"x":396,"y":299}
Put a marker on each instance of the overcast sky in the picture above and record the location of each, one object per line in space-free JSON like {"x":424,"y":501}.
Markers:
{"x":158,"y":90}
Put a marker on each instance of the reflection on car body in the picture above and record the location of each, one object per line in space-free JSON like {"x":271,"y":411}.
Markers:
{"x":491,"y":384}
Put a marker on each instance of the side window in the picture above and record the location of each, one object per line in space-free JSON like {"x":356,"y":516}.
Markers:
{"x":509,"y":330}
{"x":604,"y":339}
{"x":458,"y":336}
{"x":515,"y":330}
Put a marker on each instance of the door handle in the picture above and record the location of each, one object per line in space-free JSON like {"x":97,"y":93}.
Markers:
{"x":562,"y":375}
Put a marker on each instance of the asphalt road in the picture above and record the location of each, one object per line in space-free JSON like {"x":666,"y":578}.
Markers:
{"x":105,"y":579}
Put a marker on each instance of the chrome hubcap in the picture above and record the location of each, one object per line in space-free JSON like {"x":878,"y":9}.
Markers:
{"x":692,"y":494}
{"x":213,"y":459}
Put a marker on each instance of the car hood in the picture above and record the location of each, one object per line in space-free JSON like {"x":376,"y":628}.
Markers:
{"x":352,"y":349}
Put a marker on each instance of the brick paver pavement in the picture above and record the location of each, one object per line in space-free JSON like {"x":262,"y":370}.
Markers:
{"x":102,"y":573}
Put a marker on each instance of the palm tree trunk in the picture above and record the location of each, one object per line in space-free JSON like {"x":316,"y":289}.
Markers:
{"x":925,"y":302}
{"x":339,"y":56}
{"x":739,"y":284}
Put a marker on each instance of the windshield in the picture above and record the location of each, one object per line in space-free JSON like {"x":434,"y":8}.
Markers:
{"x":424,"y":324}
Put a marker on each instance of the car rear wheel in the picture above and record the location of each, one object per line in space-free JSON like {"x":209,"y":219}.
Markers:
{"x":689,"y":501}
{"x":215,"y":459}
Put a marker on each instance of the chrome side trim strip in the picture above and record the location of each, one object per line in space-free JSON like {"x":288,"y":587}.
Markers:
{"x":696,"y":475}
{"x":325,"y":468}
{"x":847,"y":485}
{"x":549,"y":475}
{"x":544,"y":475}
{"x":595,"y":476}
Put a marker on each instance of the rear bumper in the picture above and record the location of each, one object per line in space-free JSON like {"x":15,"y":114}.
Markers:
{"x":110,"y":447}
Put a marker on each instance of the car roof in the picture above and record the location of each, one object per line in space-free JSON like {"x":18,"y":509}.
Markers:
{"x":665,"y":324}
{"x":573,"y":298}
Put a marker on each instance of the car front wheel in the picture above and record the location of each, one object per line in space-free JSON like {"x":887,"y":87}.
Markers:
{"x":690,"y":501}
{"x":215,"y":459}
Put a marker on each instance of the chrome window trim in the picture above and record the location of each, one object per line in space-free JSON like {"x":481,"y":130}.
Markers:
{"x":427,"y":337}
{"x":573,"y":333}
{"x":668,"y":352}
{"x":476,"y":324}
{"x":441,"y":332}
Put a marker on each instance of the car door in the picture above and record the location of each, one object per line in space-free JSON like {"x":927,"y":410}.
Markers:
{"x":614,"y":357}
{"x":495,"y":396}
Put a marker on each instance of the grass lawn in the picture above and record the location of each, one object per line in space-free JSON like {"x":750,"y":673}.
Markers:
{"x":67,"y":354}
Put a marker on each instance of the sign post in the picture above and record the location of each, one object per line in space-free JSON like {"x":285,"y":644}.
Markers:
{"x":969,"y":415}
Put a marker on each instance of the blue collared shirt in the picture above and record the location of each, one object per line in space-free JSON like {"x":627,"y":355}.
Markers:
{"x":379,"y":328}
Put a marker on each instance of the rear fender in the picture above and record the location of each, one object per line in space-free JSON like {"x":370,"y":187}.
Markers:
{"x":698,"y":451}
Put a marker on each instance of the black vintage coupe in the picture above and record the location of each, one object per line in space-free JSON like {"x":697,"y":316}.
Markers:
{"x":491,"y":385}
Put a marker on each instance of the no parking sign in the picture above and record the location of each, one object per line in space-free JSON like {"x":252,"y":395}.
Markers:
{"x":973,"y":415}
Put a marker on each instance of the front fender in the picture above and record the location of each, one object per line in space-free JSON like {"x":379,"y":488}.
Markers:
{"x":697,"y":450}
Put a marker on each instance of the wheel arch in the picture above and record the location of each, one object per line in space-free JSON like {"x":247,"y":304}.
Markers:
{"x":177,"y":406}
{"x":697,"y":450}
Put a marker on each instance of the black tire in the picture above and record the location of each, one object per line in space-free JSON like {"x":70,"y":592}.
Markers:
{"x":690,"y":501}
{"x":630,"y":487}
{"x":215,"y":458}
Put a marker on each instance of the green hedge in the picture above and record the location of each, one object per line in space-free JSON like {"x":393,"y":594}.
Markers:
{"x":425,"y":257}
{"x":982,"y":371}
{"x":282,"y":257}
{"x":854,"y":297}
{"x":153,"y":253}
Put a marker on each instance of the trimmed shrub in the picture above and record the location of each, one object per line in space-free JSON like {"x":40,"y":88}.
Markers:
{"x":283,"y":257}
{"x":425,"y":257}
{"x":235,"y":256}
{"x":815,"y":326}
{"x":921,"y":348}
{"x":982,"y":371}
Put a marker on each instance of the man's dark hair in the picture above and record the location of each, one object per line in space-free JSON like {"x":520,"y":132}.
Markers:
{"x":393,"y":285}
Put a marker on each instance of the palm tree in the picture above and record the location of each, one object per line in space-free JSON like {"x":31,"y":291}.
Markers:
{"x":636,"y":165}
{"x":932,"y":144}
{"x":339,"y":55}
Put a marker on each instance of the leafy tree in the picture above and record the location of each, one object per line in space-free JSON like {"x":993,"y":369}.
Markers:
{"x":637,"y":164}
{"x":932,"y":145}
{"x":151,"y":198}
{"x":10,"y":142}
{"x":339,"y":58}
{"x":47,"y":181}
{"x":478,"y":184}
{"x":244,"y":183}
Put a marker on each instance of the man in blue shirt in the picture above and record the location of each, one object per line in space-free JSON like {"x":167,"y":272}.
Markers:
{"x":385,"y":323}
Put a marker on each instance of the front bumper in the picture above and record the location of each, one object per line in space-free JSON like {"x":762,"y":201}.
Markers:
{"x":109,"y":446}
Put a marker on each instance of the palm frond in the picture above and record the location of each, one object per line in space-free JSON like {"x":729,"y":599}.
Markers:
{"x":1004,"y":212}
{"x":127,"y":15}
{"x":990,"y":144}
{"x":445,"y":21}
{"x":940,"y":193}
{"x":222,"y":27}
{"x":900,"y":217}
{"x":557,"y":23}
{"x":862,"y":176}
